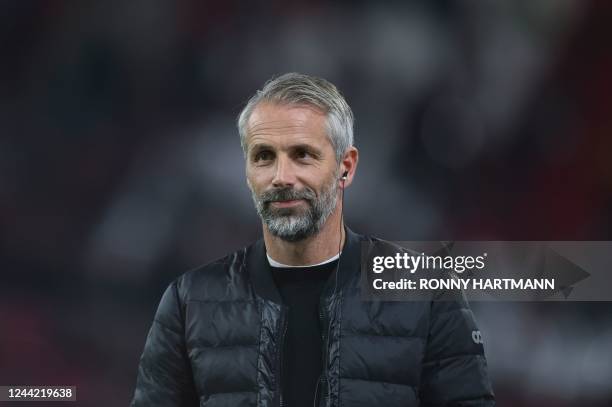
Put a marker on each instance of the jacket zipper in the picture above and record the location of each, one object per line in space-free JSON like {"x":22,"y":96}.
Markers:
{"x":284,"y":323}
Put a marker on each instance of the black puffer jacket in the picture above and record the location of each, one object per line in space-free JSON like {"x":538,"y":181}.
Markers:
{"x":218,"y":331}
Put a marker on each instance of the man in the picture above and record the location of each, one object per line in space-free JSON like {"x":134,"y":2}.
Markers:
{"x":281,"y":322}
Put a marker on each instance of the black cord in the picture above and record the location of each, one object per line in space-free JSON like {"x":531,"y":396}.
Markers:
{"x":335,"y":288}
{"x":340,"y":241}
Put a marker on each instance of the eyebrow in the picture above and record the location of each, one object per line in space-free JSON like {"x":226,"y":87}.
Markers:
{"x":307,"y":147}
{"x":259,"y":147}
{"x":301,"y":146}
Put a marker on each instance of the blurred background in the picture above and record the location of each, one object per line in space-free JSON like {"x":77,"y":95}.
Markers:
{"x":121,"y":168}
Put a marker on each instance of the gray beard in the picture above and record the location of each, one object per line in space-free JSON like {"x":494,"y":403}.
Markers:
{"x":295,"y":224}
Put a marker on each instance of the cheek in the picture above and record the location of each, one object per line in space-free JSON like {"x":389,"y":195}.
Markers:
{"x":255,"y":181}
{"x":251,"y":184}
{"x":320,"y":183}
{"x":260,"y":175}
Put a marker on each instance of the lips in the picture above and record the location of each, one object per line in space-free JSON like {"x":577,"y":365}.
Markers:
{"x":287,"y":203}
{"x":286,"y":198}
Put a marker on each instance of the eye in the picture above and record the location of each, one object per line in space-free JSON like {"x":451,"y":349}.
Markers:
{"x":302,"y":154}
{"x":263,"y":155}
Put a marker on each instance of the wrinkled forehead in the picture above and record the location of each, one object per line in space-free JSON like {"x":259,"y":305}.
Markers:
{"x":276,"y":122}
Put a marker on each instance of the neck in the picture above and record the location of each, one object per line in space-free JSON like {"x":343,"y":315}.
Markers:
{"x":311,"y":250}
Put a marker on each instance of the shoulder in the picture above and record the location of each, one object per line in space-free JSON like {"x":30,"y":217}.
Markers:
{"x":210,"y":280}
{"x":374,"y":244}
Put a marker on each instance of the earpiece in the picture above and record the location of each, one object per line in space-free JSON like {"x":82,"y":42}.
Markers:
{"x":344,"y":176}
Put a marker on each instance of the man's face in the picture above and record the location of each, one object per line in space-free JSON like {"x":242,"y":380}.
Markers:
{"x":291,"y":169}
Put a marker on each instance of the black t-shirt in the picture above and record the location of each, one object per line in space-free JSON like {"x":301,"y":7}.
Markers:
{"x":300,"y":289}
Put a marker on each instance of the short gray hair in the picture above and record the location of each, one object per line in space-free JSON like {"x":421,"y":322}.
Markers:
{"x":300,"y":89}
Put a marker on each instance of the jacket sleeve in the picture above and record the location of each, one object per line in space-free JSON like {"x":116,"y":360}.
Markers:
{"x":164,"y":373}
{"x":455,"y":370}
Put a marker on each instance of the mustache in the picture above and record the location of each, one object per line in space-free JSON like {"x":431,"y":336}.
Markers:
{"x":287,"y":194}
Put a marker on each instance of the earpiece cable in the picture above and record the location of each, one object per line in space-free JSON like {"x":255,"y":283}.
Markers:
{"x":343,"y":179}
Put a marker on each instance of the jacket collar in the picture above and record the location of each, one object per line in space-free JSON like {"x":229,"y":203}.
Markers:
{"x":261,"y":275}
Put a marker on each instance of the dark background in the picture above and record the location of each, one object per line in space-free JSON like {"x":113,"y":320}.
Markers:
{"x":121,"y":168}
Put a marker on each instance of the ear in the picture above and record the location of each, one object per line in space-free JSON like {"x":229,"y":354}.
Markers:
{"x":348,"y":165}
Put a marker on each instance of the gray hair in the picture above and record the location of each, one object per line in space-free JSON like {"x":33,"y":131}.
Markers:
{"x":300,"y":89}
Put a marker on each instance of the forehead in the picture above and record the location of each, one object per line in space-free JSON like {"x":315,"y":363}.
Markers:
{"x":284,"y":123}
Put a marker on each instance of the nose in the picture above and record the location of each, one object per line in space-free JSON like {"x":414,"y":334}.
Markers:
{"x":284,"y":176}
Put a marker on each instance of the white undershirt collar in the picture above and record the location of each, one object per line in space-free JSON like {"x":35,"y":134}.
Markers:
{"x":274,"y":263}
